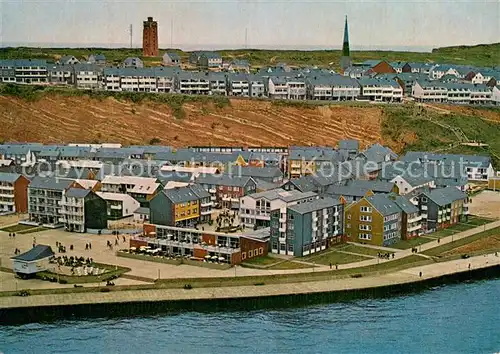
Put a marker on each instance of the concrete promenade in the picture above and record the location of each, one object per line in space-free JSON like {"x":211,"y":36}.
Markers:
{"x":400,"y":277}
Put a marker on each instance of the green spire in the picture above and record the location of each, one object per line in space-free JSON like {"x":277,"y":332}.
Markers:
{"x":345,"y":47}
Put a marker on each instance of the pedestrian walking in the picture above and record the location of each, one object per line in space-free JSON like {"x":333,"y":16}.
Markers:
{"x":10,"y":234}
{"x":124,"y":239}
{"x":420,"y":274}
{"x":116,"y":242}
{"x":336,"y":266}
{"x":469,"y":265}
{"x":13,"y":235}
{"x":90,"y":246}
{"x":330,"y":266}
{"x":86,"y":247}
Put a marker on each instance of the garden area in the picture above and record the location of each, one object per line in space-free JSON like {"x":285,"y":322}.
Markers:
{"x":332,"y":256}
{"x":22,"y":229}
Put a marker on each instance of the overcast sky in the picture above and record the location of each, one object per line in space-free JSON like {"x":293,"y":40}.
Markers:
{"x":381,"y":24}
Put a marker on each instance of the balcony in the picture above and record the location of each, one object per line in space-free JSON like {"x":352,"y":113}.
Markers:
{"x":206,"y":212}
{"x":7,"y":188}
{"x":414,"y":228}
{"x":212,"y":190}
{"x":116,"y":207}
{"x":10,"y":196}
{"x":448,"y":210}
{"x":206,"y":204}
{"x":440,"y":212}
{"x":424,"y":207}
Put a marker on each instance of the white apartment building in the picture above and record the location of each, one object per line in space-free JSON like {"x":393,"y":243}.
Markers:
{"x":192,"y":83}
{"x":296,"y":89}
{"x":255,"y":209}
{"x":143,"y":189}
{"x":257,"y":87}
{"x":72,"y":211}
{"x":239,"y":85}
{"x":277,"y":88}
{"x":381,"y":90}
{"x":217,"y":84}
{"x":434,"y":91}
{"x":45,"y":195}
{"x":119,"y":205}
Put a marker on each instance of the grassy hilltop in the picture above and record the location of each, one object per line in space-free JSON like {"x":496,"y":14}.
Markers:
{"x":480,"y":55}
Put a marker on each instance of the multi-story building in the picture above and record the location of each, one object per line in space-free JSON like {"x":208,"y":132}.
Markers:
{"x":257,"y":86}
{"x":45,"y":195}
{"x":332,"y":87}
{"x":277,"y":87}
{"x":374,"y":220}
{"x":255,"y":209}
{"x":13,"y":193}
{"x":119,"y":205}
{"x":82,"y":209}
{"x":150,"y":38}
{"x":305,"y":161}
{"x":203,"y":245}
{"x":217,"y":83}
{"x":380,"y":90}
{"x":442,"y":207}
{"x":477,"y":168}
{"x":192,"y":83}
{"x":226,"y":190}
{"x":238,"y":85}
{"x":171,"y":59}
{"x":143,"y":189}
{"x":307,"y":227}
{"x":23,"y":71}
{"x":181,"y":207}
{"x":411,"y":220}
{"x":433,"y":91}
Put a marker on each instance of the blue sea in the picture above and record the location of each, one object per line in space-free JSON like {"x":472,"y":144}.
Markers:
{"x":462,"y":318}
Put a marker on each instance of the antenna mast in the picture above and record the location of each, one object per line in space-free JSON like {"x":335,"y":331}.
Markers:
{"x":130,"y":32}
{"x":246,"y":38}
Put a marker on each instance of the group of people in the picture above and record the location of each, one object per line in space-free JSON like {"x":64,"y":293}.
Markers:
{"x":414,"y":250}
{"x":12,"y":235}
{"x":385,"y":255}
{"x":88,"y":246}
{"x":17,"y":251}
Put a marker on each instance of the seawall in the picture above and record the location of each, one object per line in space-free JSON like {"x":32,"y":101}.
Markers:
{"x":129,"y":305}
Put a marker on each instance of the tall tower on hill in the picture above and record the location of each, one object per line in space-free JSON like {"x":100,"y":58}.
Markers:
{"x":150,"y":38}
{"x":345,"y":60}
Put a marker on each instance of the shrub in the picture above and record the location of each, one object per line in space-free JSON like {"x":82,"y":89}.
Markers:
{"x":154,"y":141}
{"x":63,"y":281}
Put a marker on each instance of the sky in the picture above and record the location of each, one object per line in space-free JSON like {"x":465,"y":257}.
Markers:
{"x":216,"y":24}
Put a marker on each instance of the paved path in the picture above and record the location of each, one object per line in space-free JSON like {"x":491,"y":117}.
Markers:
{"x":401,"y":277}
{"x":145,"y":269}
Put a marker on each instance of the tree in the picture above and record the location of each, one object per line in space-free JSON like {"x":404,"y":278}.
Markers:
{"x":154,"y":141}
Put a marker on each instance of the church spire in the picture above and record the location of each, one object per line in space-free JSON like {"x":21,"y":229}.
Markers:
{"x":345,"y":47}
{"x":345,"y":60}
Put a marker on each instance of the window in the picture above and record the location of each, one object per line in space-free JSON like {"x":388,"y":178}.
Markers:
{"x":348,"y":226}
{"x":250,"y":254}
{"x":261,"y":250}
{"x":365,"y":236}
{"x":243,"y":256}
{"x":366,"y":218}
{"x":365,"y":209}
{"x":290,"y":247}
{"x":349,"y":216}
{"x":365,"y":227}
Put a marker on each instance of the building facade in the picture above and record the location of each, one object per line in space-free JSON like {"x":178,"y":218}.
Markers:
{"x":150,"y":38}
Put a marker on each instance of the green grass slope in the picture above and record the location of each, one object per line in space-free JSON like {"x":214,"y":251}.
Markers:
{"x":480,"y":55}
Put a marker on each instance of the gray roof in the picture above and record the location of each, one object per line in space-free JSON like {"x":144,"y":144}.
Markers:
{"x":444,"y":196}
{"x":347,"y":191}
{"x":77,"y":192}
{"x":377,"y":153}
{"x":317,"y":204}
{"x":34,"y":254}
{"x":258,"y":172}
{"x":9,"y":177}
{"x":383,"y":204}
{"x":199,"y":191}
{"x":468,"y":160}
{"x":349,"y":145}
{"x":404,"y":203}
{"x":304,"y":184}
{"x":318,"y":153}
{"x":142,"y":211}
{"x":287,"y":196}
{"x":224,"y":180}
{"x":173,"y":56}
{"x":52,"y":183}
{"x":180,"y":194}
{"x":375,"y":186}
